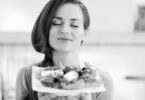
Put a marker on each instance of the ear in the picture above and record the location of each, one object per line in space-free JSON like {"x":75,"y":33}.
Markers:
{"x":86,"y":31}
{"x":85,"y":34}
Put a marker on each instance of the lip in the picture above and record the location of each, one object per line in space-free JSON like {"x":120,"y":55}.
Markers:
{"x":64,"y":39}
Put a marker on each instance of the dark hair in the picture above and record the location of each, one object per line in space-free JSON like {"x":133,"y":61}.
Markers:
{"x":40,"y":33}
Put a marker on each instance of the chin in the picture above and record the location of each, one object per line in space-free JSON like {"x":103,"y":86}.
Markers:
{"x":65,"y":50}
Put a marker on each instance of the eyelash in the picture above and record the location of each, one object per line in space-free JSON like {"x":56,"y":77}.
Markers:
{"x":56,"y":24}
{"x":76,"y":26}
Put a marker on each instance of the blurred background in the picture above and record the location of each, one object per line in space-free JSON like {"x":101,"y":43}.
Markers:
{"x":115,"y":43}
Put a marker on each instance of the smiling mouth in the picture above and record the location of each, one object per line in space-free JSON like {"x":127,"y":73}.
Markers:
{"x":65,"y":39}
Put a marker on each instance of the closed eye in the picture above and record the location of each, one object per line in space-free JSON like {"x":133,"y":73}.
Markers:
{"x":56,"y":23}
{"x":75,"y":23}
{"x":75,"y":26}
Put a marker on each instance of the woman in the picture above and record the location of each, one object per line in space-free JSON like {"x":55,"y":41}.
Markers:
{"x":58,"y":33}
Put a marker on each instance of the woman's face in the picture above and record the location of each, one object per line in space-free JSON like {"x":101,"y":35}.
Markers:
{"x":67,"y":30}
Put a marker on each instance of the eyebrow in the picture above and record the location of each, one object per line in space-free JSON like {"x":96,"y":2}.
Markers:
{"x":72,"y":19}
{"x":57,"y":18}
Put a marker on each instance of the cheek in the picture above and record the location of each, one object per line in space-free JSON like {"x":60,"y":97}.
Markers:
{"x":52,"y":35}
{"x":80,"y":35}
{"x":53,"y":32}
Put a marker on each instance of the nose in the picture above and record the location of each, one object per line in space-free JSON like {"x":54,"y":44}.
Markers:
{"x":65,"y":29}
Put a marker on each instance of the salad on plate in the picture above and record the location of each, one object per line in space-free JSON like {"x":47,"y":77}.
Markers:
{"x":66,"y":80}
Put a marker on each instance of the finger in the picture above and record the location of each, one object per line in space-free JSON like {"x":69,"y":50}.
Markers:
{"x":39,"y":94}
{"x":52,"y":95}
{"x":85,"y":96}
{"x":73,"y":97}
{"x":63,"y":98}
{"x":46,"y":96}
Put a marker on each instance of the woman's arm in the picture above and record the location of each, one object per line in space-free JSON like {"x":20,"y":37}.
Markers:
{"x":108,"y":83}
{"x":22,"y":92}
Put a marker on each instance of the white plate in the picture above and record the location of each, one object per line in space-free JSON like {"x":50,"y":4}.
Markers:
{"x":38,"y":86}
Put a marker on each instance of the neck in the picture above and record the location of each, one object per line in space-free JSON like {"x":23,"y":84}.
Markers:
{"x":67,"y":59}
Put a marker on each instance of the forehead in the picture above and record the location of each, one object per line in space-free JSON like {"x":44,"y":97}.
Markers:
{"x":69,"y":11}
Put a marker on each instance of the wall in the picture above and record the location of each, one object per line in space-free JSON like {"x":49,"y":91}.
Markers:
{"x":106,"y":15}
{"x":111,"y":15}
{"x":12,"y":59}
{"x":126,"y":65}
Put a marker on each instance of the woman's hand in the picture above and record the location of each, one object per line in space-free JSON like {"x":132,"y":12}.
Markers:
{"x":85,"y":96}
{"x":73,"y":98}
{"x":82,"y":96}
{"x":49,"y":96}
{"x":46,"y":96}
